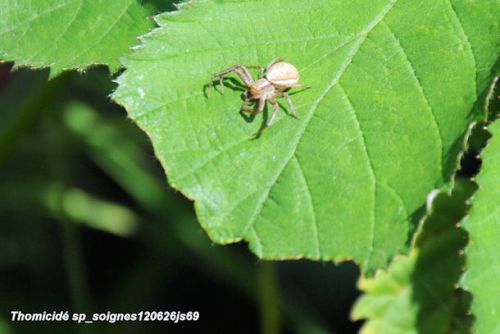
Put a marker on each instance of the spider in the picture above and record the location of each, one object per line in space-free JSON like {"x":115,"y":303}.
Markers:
{"x":273,"y":82}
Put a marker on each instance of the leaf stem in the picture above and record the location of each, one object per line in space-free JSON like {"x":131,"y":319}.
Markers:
{"x":269,"y":295}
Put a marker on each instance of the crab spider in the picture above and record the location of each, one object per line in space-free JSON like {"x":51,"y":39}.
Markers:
{"x":273,"y":82}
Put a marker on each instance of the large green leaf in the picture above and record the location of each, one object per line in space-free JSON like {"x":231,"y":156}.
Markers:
{"x":67,"y":34}
{"x":393,"y":86}
{"x":483,"y":225}
{"x":418,"y":293}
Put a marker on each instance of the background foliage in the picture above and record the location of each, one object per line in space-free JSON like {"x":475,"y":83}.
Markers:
{"x":90,"y":225}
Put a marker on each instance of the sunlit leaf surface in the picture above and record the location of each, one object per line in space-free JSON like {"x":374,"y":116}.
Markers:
{"x":393,"y":88}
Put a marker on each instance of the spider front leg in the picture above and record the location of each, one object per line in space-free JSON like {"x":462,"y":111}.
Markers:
{"x":261,"y":70}
{"x":239,"y":69}
{"x":260,"y":106}
{"x":246,"y":101}
{"x":244,"y":107}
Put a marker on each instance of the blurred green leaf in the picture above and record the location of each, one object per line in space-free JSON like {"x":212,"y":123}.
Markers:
{"x":393,"y":88}
{"x":5,"y":327}
{"x":117,"y":154}
{"x":483,"y":225}
{"x":418,"y":292}
{"x":110,"y":217}
{"x":70,"y":34}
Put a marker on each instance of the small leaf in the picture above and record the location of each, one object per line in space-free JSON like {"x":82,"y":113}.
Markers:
{"x":86,"y":209}
{"x":483,"y":225}
{"x":68,"y":34}
{"x":393,"y":84}
{"x":417,"y":294}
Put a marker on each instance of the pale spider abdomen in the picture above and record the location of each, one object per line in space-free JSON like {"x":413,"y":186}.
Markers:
{"x":282,"y":74}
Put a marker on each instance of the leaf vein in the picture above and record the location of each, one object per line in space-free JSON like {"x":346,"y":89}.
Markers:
{"x":31,"y":19}
{"x":251,"y":46}
{"x":373,"y":176}
{"x":211,"y":158}
{"x":469,"y":45}
{"x":424,"y":96}
{"x":317,"y":245}
{"x":372,"y":24}
{"x":104,"y":34}
{"x":63,"y":31}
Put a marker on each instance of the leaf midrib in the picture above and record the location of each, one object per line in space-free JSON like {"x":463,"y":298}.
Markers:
{"x":345,"y":66}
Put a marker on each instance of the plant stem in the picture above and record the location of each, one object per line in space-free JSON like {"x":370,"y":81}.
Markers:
{"x":269,"y":303}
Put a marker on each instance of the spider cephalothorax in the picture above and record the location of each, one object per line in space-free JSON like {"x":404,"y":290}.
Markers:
{"x":273,"y":82}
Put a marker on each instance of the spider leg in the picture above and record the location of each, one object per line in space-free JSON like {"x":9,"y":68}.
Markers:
{"x":289,"y":100}
{"x":262,"y":104}
{"x":235,"y":68}
{"x":210,"y":86}
{"x":245,"y":102}
{"x":244,"y":108}
{"x":261,"y":70}
{"x":247,"y":74}
{"x":221,"y":83}
{"x":260,"y":107}
{"x":261,"y":74}
{"x":298,"y":86}
{"x":275,"y":112}
{"x":244,"y":105}
{"x":239,"y":69}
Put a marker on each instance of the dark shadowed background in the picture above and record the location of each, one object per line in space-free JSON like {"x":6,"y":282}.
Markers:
{"x":89,"y":224}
